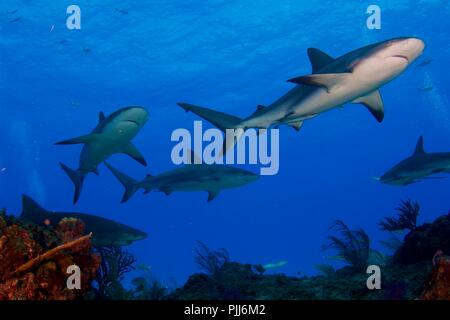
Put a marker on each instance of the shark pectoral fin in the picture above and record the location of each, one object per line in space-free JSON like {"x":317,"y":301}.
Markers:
{"x":296,"y":125}
{"x":374,"y":103}
{"x":212,"y":194}
{"x":134,"y":153}
{"x":329,"y":81}
{"x":88,"y":138}
{"x":318,"y":59}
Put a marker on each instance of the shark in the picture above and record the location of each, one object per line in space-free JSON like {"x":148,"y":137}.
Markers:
{"x":354,"y":77}
{"x":112,"y":135}
{"x":190,"y":177}
{"x":105,"y":232}
{"x":420,"y":165}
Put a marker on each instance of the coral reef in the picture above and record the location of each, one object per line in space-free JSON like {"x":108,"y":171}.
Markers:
{"x":438,"y":287}
{"x":210,"y":260}
{"x":422,"y":243}
{"x":148,"y":289}
{"x":115,"y":263}
{"x":34,"y":259}
{"x":353,"y":246}
{"x":239,"y":281}
{"x":406,"y":218}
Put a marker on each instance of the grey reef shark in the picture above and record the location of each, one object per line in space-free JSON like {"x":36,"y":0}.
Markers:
{"x":420,"y":165}
{"x":112,"y":135}
{"x":190,"y":177}
{"x":105,"y":232}
{"x":354,"y":77}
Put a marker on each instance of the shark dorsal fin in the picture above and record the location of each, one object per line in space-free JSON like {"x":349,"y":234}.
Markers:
{"x":319,"y":59}
{"x":259,"y":108}
{"x":419,"y":147}
{"x":30,"y":207}
{"x":101,"y":117}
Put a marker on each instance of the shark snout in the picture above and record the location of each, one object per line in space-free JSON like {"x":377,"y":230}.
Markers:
{"x":136,"y":115}
{"x":411,"y":48}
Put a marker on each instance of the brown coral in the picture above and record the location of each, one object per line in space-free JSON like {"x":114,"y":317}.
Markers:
{"x":438,"y":287}
{"x":29,"y":269}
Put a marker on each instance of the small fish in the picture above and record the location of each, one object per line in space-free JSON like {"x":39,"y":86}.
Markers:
{"x":424,"y":63}
{"x":427,"y":88}
{"x":74,"y":103}
{"x":87,"y":50}
{"x":52,"y":27}
{"x":3,"y":169}
{"x":13,"y":11}
{"x":15,"y":20}
{"x":121,"y":11}
{"x":275,"y":265}
{"x":61,"y":42}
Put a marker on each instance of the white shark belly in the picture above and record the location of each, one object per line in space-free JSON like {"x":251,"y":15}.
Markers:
{"x":321,"y":101}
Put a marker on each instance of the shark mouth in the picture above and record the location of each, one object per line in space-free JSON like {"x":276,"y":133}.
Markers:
{"x":401,"y":57}
{"x":133,"y":121}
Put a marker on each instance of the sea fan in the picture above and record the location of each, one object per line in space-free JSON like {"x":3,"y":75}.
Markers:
{"x":406,"y":219}
{"x":393,"y":243}
{"x":210,"y":260}
{"x":353,"y":246}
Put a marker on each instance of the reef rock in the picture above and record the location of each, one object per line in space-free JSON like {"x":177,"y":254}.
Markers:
{"x":34,"y":259}
{"x":438,"y":287}
{"x":423,"y":242}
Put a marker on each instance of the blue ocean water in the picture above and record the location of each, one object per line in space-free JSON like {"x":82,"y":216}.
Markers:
{"x":231,"y":56}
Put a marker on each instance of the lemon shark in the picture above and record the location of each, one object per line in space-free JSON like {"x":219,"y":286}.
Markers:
{"x":105,"y":232}
{"x":354,"y":77}
{"x":191,"y":177}
{"x":420,"y":165}
{"x":111,"y":135}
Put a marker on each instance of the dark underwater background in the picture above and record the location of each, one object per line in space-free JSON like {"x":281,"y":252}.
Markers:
{"x":230,"y":56}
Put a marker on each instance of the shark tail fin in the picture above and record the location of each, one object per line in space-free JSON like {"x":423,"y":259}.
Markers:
{"x":221,"y":120}
{"x":128,"y":183}
{"x":77,"y":177}
{"x":31,"y":210}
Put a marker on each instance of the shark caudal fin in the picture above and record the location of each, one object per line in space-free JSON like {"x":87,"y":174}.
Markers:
{"x":128,"y":183}
{"x":77,"y":178}
{"x":221,"y":120}
{"x":31,"y":210}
